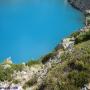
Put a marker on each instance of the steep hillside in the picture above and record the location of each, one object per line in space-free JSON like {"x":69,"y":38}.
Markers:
{"x":73,"y":72}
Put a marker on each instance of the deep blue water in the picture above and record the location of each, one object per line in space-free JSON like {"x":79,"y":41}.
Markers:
{"x":32,"y":28}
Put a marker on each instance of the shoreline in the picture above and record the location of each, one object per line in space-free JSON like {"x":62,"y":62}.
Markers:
{"x":57,"y":46}
{"x":38,"y":71}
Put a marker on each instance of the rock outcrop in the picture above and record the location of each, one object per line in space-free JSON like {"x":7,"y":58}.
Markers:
{"x":82,"y":5}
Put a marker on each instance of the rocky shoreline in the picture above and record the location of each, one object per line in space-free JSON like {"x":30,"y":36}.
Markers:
{"x":40,"y":71}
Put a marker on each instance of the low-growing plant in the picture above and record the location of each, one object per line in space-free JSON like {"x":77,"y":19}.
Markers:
{"x":17,"y":67}
{"x":78,"y":79}
{"x":47,"y":57}
{"x":83,"y":36}
{"x":75,"y":34}
{"x":33,"y":62}
{"x":31,"y":82}
{"x":16,"y":81}
{"x":5,"y":74}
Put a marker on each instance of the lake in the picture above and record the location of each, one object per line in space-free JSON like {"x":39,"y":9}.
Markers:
{"x":30,"y":29}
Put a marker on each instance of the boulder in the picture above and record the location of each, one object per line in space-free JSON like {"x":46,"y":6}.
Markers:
{"x":8,"y":61}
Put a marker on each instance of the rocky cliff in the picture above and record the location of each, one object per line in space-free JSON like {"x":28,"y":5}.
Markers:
{"x":80,"y":4}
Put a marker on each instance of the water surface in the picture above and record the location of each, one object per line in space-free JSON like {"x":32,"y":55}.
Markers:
{"x":32,"y":28}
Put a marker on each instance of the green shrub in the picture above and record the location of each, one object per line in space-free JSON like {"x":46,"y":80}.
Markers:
{"x":31,"y":82}
{"x":78,"y":79}
{"x":75,"y":34}
{"x":33,"y":62}
{"x":5,"y":74}
{"x":17,"y":67}
{"x":84,"y":36}
{"x":47,"y":57}
{"x":76,"y":66}
{"x":16,"y":81}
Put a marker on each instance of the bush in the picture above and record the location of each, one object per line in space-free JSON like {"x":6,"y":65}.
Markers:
{"x":5,"y":74}
{"x":84,"y":36}
{"x":17,"y":67}
{"x":78,"y":79}
{"x":75,"y":34}
{"x":47,"y":57}
{"x":76,"y":66}
{"x":30,"y":83}
{"x":16,"y":81}
{"x":32,"y":62}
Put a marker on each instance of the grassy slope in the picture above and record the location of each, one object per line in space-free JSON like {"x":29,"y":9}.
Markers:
{"x":73,"y":72}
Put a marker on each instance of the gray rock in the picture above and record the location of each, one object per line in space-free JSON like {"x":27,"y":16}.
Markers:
{"x":82,"y":5}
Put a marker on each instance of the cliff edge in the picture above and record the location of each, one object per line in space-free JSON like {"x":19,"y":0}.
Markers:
{"x":80,"y":4}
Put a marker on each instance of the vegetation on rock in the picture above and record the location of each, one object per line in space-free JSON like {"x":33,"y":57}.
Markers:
{"x":33,"y":62}
{"x":74,"y":70}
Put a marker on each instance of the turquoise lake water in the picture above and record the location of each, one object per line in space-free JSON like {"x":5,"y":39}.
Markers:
{"x":30,"y":29}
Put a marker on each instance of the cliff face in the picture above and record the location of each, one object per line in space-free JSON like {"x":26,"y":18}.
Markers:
{"x":80,"y":4}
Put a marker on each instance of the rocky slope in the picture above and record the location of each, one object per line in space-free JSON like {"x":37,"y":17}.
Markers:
{"x":81,"y":4}
{"x":67,"y":68}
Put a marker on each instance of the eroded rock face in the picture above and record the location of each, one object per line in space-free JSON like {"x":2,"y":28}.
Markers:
{"x":68,"y":43}
{"x":81,"y":4}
